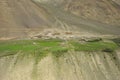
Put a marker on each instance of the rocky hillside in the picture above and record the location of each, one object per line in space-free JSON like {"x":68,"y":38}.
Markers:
{"x":70,"y":66}
{"x":23,"y":18}
{"x":56,"y":59}
{"x":97,"y":10}
{"x":59,"y":39}
{"x":104,"y":11}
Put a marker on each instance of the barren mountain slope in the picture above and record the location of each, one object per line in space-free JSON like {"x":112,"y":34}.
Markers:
{"x":105,"y":11}
{"x":70,"y":66}
{"x":19,"y":18}
{"x":59,"y":40}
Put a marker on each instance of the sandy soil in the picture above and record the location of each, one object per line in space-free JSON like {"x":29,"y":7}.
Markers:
{"x":70,"y":66}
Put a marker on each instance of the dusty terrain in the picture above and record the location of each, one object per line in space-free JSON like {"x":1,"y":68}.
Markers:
{"x":70,"y":66}
{"x":61,"y":19}
{"x":21,"y":18}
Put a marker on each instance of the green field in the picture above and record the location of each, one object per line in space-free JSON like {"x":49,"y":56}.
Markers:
{"x":94,"y":46}
{"x":54,"y":46}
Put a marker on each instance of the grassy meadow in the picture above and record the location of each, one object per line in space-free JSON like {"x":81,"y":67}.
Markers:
{"x":55,"y":46}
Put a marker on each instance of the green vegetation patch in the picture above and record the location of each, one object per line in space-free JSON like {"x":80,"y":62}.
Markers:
{"x":27,"y":45}
{"x":94,"y":46}
{"x":57,"y":47}
{"x":38,"y":47}
{"x":117,"y":41}
{"x":58,"y":51}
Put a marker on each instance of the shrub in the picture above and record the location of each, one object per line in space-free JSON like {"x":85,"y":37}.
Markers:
{"x":108,"y":50}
